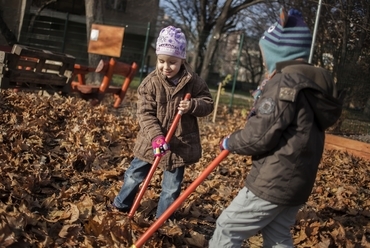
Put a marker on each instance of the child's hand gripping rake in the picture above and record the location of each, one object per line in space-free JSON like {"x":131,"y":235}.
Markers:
{"x":155,"y":163}
{"x":149,"y":232}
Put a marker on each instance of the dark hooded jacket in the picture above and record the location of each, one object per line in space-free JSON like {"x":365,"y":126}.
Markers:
{"x":157,"y":105}
{"x":286,"y":136}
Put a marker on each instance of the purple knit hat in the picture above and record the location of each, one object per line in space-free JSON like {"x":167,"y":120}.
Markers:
{"x":171,"y":41}
{"x":288,"y":39}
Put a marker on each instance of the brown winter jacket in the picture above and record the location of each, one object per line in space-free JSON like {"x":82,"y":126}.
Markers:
{"x":286,"y":136}
{"x":157,"y":105}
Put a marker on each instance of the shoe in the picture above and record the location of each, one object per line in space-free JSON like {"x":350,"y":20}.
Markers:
{"x":113,"y":208}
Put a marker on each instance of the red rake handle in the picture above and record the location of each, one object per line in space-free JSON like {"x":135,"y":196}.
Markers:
{"x":149,"y":232}
{"x":156,"y":162}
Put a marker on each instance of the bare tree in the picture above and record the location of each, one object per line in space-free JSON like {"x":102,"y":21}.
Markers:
{"x":345,"y":36}
{"x":204,"y":22}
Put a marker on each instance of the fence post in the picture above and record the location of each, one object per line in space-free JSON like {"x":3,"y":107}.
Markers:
{"x":65,"y":32}
{"x":236,"y":71}
{"x":144,"y":52}
{"x":217,"y":100}
{"x":314,"y":32}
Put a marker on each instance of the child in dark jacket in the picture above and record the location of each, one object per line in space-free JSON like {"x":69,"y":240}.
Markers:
{"x":160,"y":97}
{"x":285,"y":137}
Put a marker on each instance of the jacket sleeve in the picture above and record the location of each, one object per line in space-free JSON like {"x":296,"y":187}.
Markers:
{"x":263,"y":131}
{"x":201,"y":100}
{"x":146,"y":111}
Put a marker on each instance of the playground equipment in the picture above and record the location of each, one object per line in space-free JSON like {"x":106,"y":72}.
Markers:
{"x":28,"y":68}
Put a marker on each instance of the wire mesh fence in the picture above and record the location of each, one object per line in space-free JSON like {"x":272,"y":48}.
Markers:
{"x":62,"y":32}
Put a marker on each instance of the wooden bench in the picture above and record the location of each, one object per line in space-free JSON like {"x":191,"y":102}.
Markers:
{"x":26,"y":68}
{"x":96,"y":93}
{"x":36,"y":69}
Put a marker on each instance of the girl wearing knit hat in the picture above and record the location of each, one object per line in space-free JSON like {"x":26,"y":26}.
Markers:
{"x":160,"y":97}
{"x":285,"y":137}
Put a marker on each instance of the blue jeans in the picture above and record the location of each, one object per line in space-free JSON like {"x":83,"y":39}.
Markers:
{"x":136,"y":174}
{"x":246,"y":215}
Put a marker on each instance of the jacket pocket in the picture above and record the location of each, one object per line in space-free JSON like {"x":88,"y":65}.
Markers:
{"x":188,"y":147}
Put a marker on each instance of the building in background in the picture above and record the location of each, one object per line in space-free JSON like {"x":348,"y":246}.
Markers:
{"x":61,"y":25}
{"x":237,"y":55}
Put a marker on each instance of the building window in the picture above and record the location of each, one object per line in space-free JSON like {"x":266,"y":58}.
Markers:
{"x":119,"y":5}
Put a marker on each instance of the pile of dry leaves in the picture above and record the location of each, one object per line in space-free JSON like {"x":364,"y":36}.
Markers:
{"x":62,"y":162}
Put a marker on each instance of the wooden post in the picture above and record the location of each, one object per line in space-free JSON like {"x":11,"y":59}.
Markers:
{"x":125,"y":85}
{"x":105,"y":84}
{"x":217,"y":100}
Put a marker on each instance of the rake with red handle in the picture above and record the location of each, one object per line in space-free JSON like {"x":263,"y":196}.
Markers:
{"x":149,"y":232}
{"x":156,"y":162}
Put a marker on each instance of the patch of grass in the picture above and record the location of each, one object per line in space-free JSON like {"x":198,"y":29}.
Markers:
{"x":118,"y":81}
{"x":237,"y":100}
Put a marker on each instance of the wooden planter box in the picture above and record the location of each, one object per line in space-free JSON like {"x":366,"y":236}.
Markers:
{"x":354,"y":147}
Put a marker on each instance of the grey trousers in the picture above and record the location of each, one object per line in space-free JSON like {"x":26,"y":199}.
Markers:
{"x":246,"y":215}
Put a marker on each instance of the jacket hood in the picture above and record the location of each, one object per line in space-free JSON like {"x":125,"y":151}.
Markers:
{"x":318,"y":87}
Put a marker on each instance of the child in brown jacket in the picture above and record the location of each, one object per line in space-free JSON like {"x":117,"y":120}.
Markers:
{"x":160,"y":97}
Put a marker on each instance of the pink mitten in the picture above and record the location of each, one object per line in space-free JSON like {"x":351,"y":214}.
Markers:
{"x":160,"y":146}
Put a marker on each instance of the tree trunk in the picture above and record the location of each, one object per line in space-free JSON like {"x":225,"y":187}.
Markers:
{"x":215,"y":36}
{"x":9,"y":36}
{"x":94,"y":14}
{"x":194,"y":60}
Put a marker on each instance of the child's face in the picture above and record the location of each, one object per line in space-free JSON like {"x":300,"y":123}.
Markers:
{"x":169,"y":66}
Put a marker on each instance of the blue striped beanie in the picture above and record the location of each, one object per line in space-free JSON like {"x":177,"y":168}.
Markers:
{"x":288,"y":39}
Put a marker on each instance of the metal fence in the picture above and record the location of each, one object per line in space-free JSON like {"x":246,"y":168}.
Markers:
{"x":67,"y":34}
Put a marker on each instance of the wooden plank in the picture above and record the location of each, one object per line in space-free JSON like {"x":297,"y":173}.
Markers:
{"x":91,"y":89}
{"x":40,"y":65}
{"x":44,"y":58}
{"x":354,"y":147}
{"x":120,"y":68}
{"x":26,"y":51}
{"x":32,"y":68}
{"x":106,"y":40}
{"x":48,"y":67}
{"x":25,"y":76}
{"x":2,"y":56}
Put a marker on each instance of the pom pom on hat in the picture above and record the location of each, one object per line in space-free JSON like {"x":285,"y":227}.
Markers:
{"x":171,"y":41}
{"x":288,"y":39}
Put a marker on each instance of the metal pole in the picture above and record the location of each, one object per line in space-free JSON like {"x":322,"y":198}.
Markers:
{"x":144,"y":51}
{"x":65,"y":32}
{"x":314,"y":32}
{"x":236,"y":71}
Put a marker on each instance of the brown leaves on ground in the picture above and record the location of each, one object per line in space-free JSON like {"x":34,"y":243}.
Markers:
{"x":62,"y":163}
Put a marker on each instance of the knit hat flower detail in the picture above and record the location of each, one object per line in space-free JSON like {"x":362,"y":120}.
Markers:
{"x":287,"y":39}
{"x":171,"y":41}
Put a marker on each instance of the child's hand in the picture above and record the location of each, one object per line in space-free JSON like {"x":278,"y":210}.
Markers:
{"x":160,"y":146}
{"x":184,"y":106}
{"x":223,"y":143}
